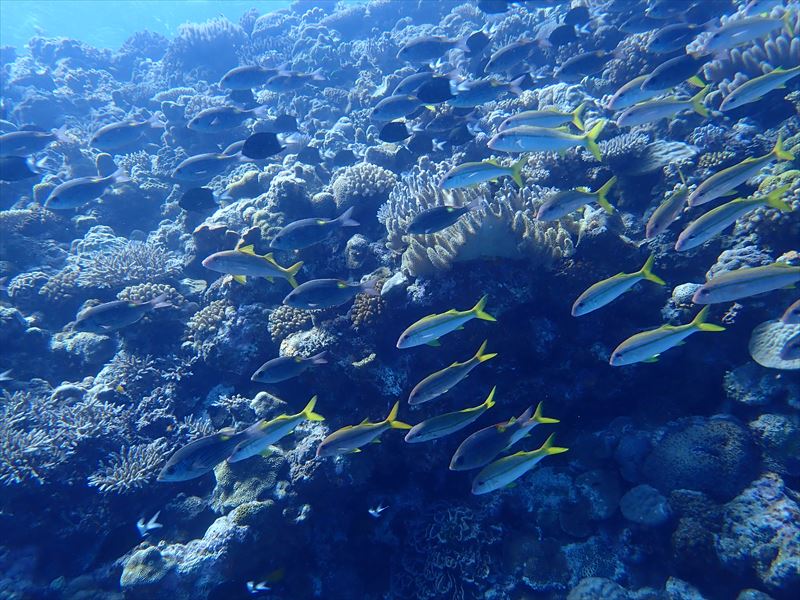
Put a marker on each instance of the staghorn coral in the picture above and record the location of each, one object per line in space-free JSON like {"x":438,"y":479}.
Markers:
{"x":503,"y":227}
{"x":129,"y":469}
{"x":124,"y":263}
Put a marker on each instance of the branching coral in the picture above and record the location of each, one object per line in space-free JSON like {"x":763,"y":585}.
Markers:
{"x":131,"y":468}
{"x":126,"y":263}
{"x":503,"y":227}
{"x":365,"y":186}
{"x":209,"y":48}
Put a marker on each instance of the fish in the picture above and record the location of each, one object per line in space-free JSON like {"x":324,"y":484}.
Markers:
{"x":436,"y":90}
{"x":257,"y":588}
{"x":478,"y":41}
{"x":248,"y":77}
{"x":545,"y":118}
{"x":663,"y":108}
{"x":146,"y":527}
{"x":561,"y":204}
{"x":755,"y":7}
{"x":352,"y":437}
{"x":199,"y":457}
{"x":395,"y":131}
{"x":222,"y":118}
{"x":470,"y":94}
{"x":510,"y":56}
{"x":582,"y":65}
{"x":327,"y":293}
{"x":307,"y":232}
{"x":672,"y":38}
{"x":639,"y":23}
{"x":428,"y":330}
{"x":243,"y":262}
{"x":111,"y":316}
{"x":264,"y":433}
{"x":198,"y":199}
{"x":562,"y":35}
{"x":344,"y":158}
{"x":286,"y":367}
{"x":742,"y":31}
{"x":503,"y":472}
{"x":729,"y":179}
{"x":674,"y":71}
{"x":473,"y":173}
{"x":791,"y":315}
{"x":666,"y":213}
{"x":577,"y":16}
{"x":376,"y":511}
{"x":443,"y":380}
{"x":755,"y":89}
{"x":540,"y":139}
{"x":409,"y":85}
{"x":203,"y":167}
{"x":448,"y":423}
{"x":493,"y":7}
{"x":309,"y":155}
{"x":261,"y":145}
{"x":647,"y":346}
{"x":631,"y":93}
{"x":6,"y":375}
{"x":665,"y":9}
{"x":438,"y":218}
{"x":395,"y":107}
{"x":430,"y":47}
{"x":606,"y":291}
{"x":74,"y":193}
{"x":791,"y":348}
{"x":480,"y":448}
{"x":123,"y":133}
{"x":26,"y":141}
{"x":17,"y":168}
{"x":746,"y":282}
{"x":715,"y":221}
{"x":289,"y":81}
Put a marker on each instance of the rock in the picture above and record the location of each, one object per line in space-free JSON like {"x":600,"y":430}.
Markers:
{"x":396,"y":283}
{"x":144,"y":574}
{"x":750,"y":594}
{"x":602,"y":491}
{"x":593,"y":588}
{"x":83,"y":348}
{"x":761,"y":532}
{"x":677,"y":589}
{"x":645,"y":505}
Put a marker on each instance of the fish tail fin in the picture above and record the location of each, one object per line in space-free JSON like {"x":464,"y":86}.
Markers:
{"x":318,"y":74}
{"x":392,"y":418}
{"x":602,"y":194}
{"x":697,"y":101}
{"x":155,"y":122}
{"x":779,"y":152}
{"x":160,"y":301}
{"x":516,"y":170}
{"x":479,"y":312}
{"x":699,"y":322}
{"x":490,"y":401}
{"x":548,"y":448}
{"x":319,"y":359}
{"x":463,"y":44}
{"x":696,"y":81}
{"x":120,"y":176}
{"x":647,"y":271}
{"x":590,"y":139}
{"x":61,"y":134}
{"x":577,"y":116}
{"x":537,"y":416}
{"x":514,"y":86}
{"x":370,"y":288}
{"x":774,"y":200}
{"x":345,"y":219}
{"x":308,"y":411}
{"x":483,"y":356}
{"x":260,"y":111}
{"x":292,"y":271}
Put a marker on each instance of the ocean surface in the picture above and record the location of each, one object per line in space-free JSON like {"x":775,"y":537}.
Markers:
{"x":412,"y":299}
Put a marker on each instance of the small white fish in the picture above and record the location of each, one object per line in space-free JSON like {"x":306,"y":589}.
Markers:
{"x":257,"y":588}
{"x":145,"y":528}
{"x":375,"y":512}
{"x":6,"y":376}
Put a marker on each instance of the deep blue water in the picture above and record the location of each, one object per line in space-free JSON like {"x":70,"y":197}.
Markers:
{"x":217,"y":289}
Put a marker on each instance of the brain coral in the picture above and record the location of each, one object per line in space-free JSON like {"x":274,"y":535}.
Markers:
{"x":503,"y":227}
{"x":365,"y":186}
{"x":713,"y":455}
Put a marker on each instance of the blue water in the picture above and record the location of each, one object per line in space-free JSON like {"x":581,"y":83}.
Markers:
{"x":398,"y":299}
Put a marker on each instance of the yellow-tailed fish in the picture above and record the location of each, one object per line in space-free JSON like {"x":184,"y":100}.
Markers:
{"x":746,"y":282}
{"x":606,"y":291}
{"x":506,"y":470}
{"x":541,"y":139}
{"x":201,"y":456}
{"x":473,"y":173}
{"x":631,"y":93}
{"x":442,"y":425}
{"x":561,"y":204}
{"x":429,"y":329}
{"x":666,"y":213}
{"x":243,"y":262}
{"x":663,"y":108}
{"x":729,"y":179}
{"x":715,"y":221}
{"x":440,"y":382}
{"x":262,"y":434}
{"x":353,"y":437}
{"x":484,"y":445}
{"x":648,"y":345}
{"x":545,"y":118}
{"x":755,"y":89}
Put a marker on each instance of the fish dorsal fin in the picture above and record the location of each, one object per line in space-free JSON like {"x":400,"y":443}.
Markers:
{"x":452,"y":311}
{"x":249,"y":249}
{"x":364,"y":422}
